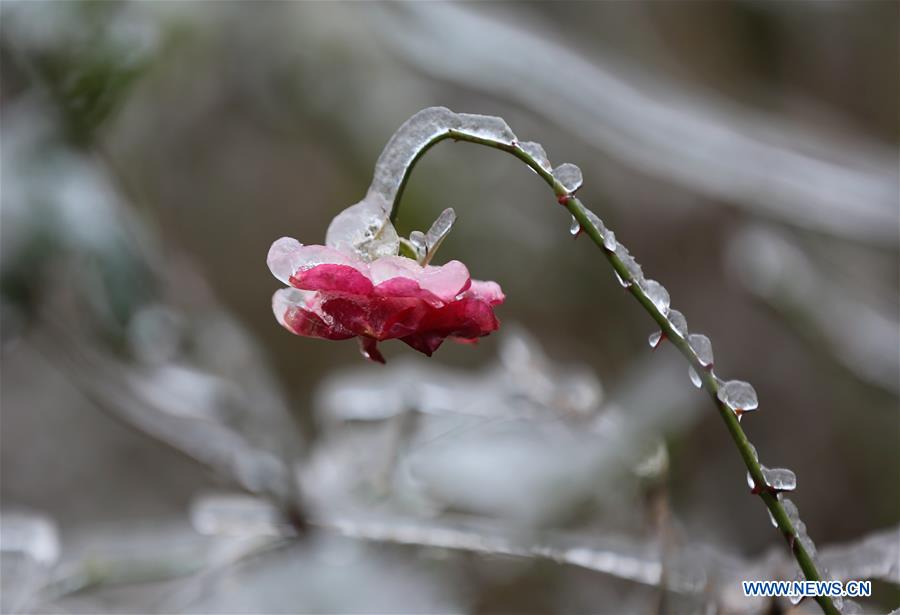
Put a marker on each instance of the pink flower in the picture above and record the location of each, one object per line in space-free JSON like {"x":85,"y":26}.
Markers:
{"x":336,"y":295}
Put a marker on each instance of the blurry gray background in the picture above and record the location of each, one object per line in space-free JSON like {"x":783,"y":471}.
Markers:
{"x":745,"y":152}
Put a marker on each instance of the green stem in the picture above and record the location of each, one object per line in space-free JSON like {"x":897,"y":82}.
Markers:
{"x":709,"y":382}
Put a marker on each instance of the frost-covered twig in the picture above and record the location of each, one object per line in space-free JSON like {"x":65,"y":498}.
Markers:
{"x":778,"y":272}
{"x":732,"y":398}
{"x":699,"y":568}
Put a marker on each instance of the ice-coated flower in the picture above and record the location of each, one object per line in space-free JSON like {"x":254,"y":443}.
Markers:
{"x":338,"y":294}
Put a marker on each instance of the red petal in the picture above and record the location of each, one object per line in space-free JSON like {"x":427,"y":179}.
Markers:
{"x":369,"y":349}
{"x":308,"y":324}
{"x":333,"y":279}
{"x":380,"y":318}
{"x":406,"y":287}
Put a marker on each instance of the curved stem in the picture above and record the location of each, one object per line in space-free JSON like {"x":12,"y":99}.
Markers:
{"x":709,"y":382}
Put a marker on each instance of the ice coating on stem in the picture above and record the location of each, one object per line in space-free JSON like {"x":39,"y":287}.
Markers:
{"x":805,"y":540}
{"x":403,"y":148}
{"x":486,"y":127}
{"x":702,"y":347}
{"x":678,"y":322}
{"x":364,"y":229}
{"x":536,"y":151}
{"x":793,"y":515}
{"x":695,"y":377}
{"x":609,"y":238}
{"x":658,"y":294}
{"x":609,"y":241}
{"x":569,"y":175}
{"x":738,"y":395}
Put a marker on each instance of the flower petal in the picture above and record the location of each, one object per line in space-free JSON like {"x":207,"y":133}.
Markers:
{"x":287,"y":257}
{"x":466,"y":319}
{"x":369,"y":349}
{"x":380,"y":318}
{"x":486,"y":291}
{"x":337,"y":295}
{"x":444,"y":282}
{"x":294,"y":311}
{"x":330,"y":278}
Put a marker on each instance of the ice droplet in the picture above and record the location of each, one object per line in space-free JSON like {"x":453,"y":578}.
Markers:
{"x":695,"y":377}
{"x":771,"y":516}
{"x":622,"y":282}
{"x":574,"y":227}
{"x":678,"y":322}
{"x":658,"y":294}
{"x":780,"y":479}
{"x":655,"y":338}
{"x":631,"y":265}
{"x":486,"y":127}
{"x":702,"y":347}
{"x":795,"y":598}
{"x":281,"y":258}
{"x":536,"y":151}
{"x":403,"y":148}
{"x":569,"y":175}
{"x":738,"y":395}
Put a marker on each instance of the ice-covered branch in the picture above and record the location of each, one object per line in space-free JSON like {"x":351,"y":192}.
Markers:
{"x":700,"y":568}
{"x":732,"y":398}
{"x":757,"y":162}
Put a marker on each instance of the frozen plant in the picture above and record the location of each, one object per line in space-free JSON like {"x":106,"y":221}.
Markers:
{"x":364,"y":234}
{"x":358,"y":285}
